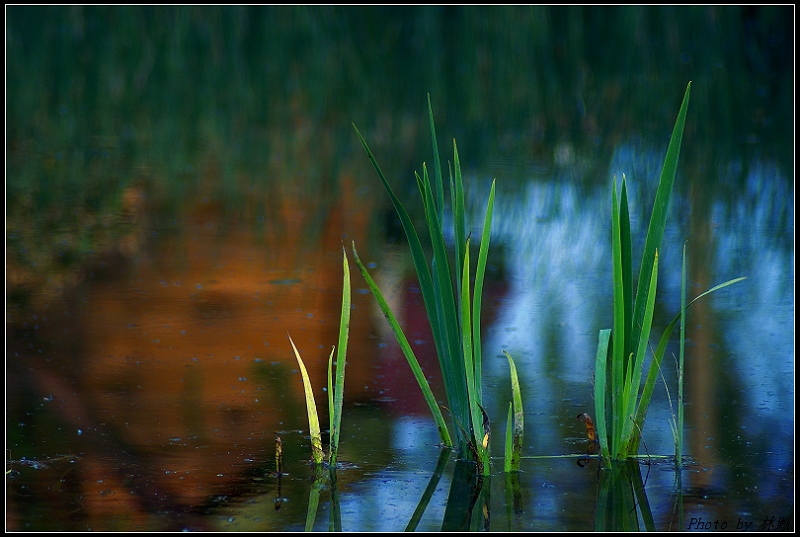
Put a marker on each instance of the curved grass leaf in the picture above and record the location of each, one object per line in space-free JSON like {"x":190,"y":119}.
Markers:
{"x":514,"y":442}
{"x":417,"y":253}
{"x":479,"y":433}
{"x":658,"y":355}
{"x":311,"y":407}
{"x":509,"y":450}
{"x":407,"y":351}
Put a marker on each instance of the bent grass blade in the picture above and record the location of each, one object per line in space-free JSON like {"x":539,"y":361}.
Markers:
{"x":515,"y":429}
{"x":408,"y":352}
{"x":658,"y":355}
{"x":311,"y":407}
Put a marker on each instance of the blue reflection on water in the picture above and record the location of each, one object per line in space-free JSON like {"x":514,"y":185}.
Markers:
{"x":555,"y":235}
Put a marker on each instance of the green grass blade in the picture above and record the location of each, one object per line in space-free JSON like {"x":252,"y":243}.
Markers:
{"x":658,"y":219}
{"x":679,"y":436}
{"x":407,"y":351}
{"x":437,"y":165}
{"x":466,"y":333}
{"x":600,"y":391}
{"x":479,"y":424}
{"x":519,"y":419}
{"x":417,"y":253}
{"x":341,"y":359}
{"x":476,"y":418}
{"x":509,"y":451}
{"x":331,"y":403}
{"x":311,"y":407}
{"x":634,"y":379}
{"x":477,"y":294}
{"x":618,"y":356}
{"x":627,"y":266}
{"x":459,"y":220}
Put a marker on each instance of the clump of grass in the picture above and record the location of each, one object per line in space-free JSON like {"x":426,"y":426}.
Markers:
{"x":335,"y":386}
{"x":454,"y":310}
{"x":621,"y":401}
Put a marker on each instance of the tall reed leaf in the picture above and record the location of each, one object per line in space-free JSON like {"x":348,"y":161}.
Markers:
{"x":658,"y":219}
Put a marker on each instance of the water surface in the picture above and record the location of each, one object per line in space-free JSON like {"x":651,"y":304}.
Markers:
{"x":181,"y":183}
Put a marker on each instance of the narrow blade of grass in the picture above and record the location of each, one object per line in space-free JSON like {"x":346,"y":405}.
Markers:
{"x":417,"y":253}
{"x":407,"y":351}
{"x":459,"y":220}
{"x":519,"y":419}
{"x":475,"y":410}
{"x":627,"y":266}
{"x":600,"y":391}
{"x":618,"y":356}
{"x":437,"y":166}
{"x":509,"y":450}
{"x":658,"y":219}
{"x":634,"y":379}
{"x":477,"y":294}
{"x":331,"y":403}
{"x":341,"y":360}
{"x":311,"y":407}
{"x":681,"y":348}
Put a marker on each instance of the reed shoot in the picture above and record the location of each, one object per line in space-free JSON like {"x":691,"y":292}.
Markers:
{"x":335,"y":387}
{"x":621,"y":401}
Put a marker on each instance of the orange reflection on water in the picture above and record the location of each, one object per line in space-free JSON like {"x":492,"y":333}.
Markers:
{"x":184,"y":373}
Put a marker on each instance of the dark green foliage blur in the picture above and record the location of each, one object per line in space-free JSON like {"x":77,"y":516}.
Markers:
{"x":177,"y":77}
{"x":232,"y":101}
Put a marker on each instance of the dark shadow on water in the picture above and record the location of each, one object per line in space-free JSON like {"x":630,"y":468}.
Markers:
{"x":468,"y":502}
{"x":622,"y":503}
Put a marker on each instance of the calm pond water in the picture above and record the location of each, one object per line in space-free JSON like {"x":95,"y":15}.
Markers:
{"x":179,"y":186}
